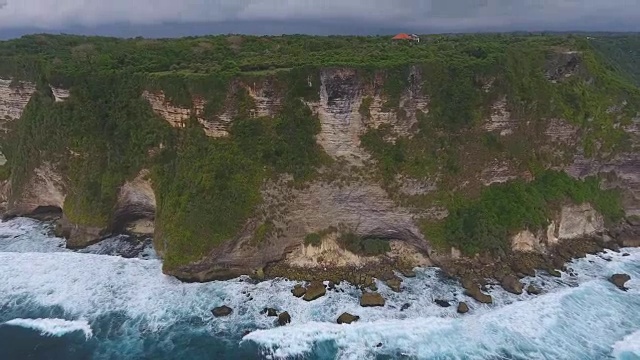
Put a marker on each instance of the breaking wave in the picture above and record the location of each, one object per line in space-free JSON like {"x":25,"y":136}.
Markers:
{"x":628,"y":348}
{"x":53,"y":327}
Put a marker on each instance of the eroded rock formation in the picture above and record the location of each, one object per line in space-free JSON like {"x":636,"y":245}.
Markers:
{"x":45,"y":189}
{"x":136,"y":206}
{"x":174,"y":115}
{"x":573,"y":222}
{"x":14,"y":97}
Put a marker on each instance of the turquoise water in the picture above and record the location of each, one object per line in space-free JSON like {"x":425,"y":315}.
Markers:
{"x":58,"y":304}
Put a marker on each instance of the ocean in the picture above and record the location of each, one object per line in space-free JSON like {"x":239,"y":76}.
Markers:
{"x":112,"y":301}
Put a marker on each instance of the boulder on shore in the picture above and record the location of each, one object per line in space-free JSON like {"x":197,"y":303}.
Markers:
{"x":463,"y":308}
{"x":408,"y":273}
{"x":347,"y":318}
{"x":554,"y":272}
{"x":473,"y":290}
{"x":532,"y":290}
{"x":394,"y":283}
{"x":298,"y":291}
{"x":511,"y":284}
{"x":284,"y":319}
{"x":619,"y":280}
{"x":314,"y":291}
{"x":222,"y":311}
{"x":371,"y":299}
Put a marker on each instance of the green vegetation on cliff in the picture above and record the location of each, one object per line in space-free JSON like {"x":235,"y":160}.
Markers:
{"x":622,"y":53}
{"x":368,"y":246}
{"x":487,"y":223}
{"x":541,"y":78}
{"x":98,"y":138}
{"x":208,"y":188}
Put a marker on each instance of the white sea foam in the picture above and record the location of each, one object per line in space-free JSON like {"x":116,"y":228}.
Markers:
{"x":628,"y":348}
{"x":28,"y":235}
{"x":23,"y":235}
{"x":53,"y":327}
{"x":559,"y":324}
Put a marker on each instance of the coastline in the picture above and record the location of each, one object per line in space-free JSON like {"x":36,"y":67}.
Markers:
{"x":151,"y":307}
{"x":474,"y":273}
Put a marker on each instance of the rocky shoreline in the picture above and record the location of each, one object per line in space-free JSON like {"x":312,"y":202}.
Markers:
{"x":364,"y":277}
{"x":474,"y":274}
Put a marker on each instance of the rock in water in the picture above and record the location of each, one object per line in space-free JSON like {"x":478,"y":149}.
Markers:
{"x":473,"y":290}
{"x":554,"y":272}
{"x":331,"y":286}
{"x":619,"y":280}
{"x":511,"y":284}
{"x":270,"y":312}
{"x":222,"y":311}
{"x":532,"y":290}
{"x":409,"y":273}
{"x":347,"y":318}
{"x":405,"y":307}
{"x":463,"y":308}
{"x":394,"y":283}
{"x":315,"y":290}
{"x":443,"y":303}
{"x":298,"y":291}
{"x":284,"y":319}
{"x":371,"y":299}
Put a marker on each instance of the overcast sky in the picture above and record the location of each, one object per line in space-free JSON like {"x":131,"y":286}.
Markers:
{"x":443,"y":15}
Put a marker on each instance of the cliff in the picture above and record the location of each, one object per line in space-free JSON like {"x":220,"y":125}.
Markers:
{"x":345,"y":169}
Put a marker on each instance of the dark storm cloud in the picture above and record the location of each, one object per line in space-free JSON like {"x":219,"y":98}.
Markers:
{"x":441,"y":14}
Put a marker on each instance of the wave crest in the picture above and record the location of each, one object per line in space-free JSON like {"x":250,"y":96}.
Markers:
{"x":53,"y":327}
{"x":628,"y":348}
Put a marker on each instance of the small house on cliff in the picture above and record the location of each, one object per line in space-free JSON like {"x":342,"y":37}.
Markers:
{"x":402,"y":37}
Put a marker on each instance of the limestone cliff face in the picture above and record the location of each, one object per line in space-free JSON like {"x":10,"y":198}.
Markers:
{"x":363,"y":208}
{"x":265,"y":96}
{"x":348,"y":105}
{"x":342,"y":125}
{"x":174,"y":115}
{"x":14,"y":97}
{"x":263,"y":93}
{"x":45,"y":189}
{"x":622,"y":171}
{"x":59,"y":94}
{"x":44,"y":196}
{"x":501,"y":120}
{"x":340,"y":108}
{"x":136,"y":206}
{"x":574,"y":222}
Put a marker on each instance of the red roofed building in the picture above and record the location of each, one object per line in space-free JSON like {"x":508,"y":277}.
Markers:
{"x":406,"y":37}
{"x":402,"y":36}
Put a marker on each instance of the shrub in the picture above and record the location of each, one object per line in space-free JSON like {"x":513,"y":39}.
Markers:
{"x":368,"y":246}
{"x":313,"y":239}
